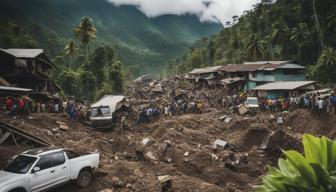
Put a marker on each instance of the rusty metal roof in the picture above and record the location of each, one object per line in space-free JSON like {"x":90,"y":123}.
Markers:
{"x":242,"y":67}
{"x":260,"y":65}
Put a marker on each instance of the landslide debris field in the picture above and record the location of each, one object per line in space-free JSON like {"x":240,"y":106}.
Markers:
{"x":179,"y":146}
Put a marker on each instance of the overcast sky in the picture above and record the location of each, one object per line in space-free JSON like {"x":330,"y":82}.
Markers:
{"x":207,"y":10}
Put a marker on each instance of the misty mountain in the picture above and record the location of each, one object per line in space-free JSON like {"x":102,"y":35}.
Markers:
{"x":144,"y":43}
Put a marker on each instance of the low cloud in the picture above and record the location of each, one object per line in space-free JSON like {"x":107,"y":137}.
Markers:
{"x":206,"y":10}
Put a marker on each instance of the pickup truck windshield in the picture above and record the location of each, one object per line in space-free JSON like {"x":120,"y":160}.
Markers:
{"x":252,"y":101}
{"x":100,"y":111}
{"x":21,"y":164}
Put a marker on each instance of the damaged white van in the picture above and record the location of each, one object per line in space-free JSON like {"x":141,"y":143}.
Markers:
{"x":102,"y":111}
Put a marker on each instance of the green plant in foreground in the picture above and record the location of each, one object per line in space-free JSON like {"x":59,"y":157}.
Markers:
{"x":315,"y":171}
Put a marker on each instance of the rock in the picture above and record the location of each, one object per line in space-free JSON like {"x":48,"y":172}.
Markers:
{"x":166,"y":183}
{"x":150,"y":156}
{"x":242,"y":109}
{"x":164,"y":178}
{"x":219,"y":144}
{"x":54,"y":130}
{"x":222,"y":117}
{"x":147,"y":140}
{"x":228,"y":120}
{"x":186,"y":154}
{"x":117,"y":182}
{"x":106,"y":190}
{"x":214,"y":157}
{"x":49,"y":133}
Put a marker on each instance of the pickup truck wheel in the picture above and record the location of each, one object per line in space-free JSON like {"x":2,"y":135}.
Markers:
{"x":84,"y":178}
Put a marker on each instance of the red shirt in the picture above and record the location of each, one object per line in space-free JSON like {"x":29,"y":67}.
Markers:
{"x":21,"y":103}
{"x":9,"y":103}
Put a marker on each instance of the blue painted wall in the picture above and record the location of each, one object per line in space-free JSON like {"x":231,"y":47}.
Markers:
{"x":276,"y":75}
{"x":275,"y":94}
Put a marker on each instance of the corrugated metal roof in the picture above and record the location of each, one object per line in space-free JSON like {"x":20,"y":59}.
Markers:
{"x":241,"y":67}
{"x":292,"y":66}
{"x":23,"y":53}
{"x":283,"y":85}
{"x":206,"y":70}
{"x":260,"y":65}
{"x":109,"y":100}
{"x":4,"y":88}
{"x":266,"y":62}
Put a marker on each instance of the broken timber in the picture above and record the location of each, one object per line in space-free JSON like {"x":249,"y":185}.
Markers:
{"x":15,"y":132}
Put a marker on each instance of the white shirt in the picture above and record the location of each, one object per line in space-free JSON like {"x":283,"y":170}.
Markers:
{"x":320,"y":104}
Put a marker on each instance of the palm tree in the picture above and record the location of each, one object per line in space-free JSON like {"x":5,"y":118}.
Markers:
{"x":71,"y":51}
{"x":299,"y":34}
{"x":331,"y":18}
{"x":85,"y":32}
{"x":278,"y":36}
{"x":326,"y":65}
{"x":255,"y":48}
{"x":328,"y":57}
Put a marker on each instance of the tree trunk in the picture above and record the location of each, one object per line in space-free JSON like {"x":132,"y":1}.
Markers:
{"x":69,"y":62}
{"x":318,"y":26}
{"x":299,"y":52}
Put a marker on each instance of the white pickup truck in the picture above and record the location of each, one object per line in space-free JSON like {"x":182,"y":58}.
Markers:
{"x":44,"y":168}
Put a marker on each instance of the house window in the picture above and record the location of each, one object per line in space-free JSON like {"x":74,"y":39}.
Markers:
{"x":268,"y":72}
{"x":293,"y":72}
{"x":254,"y":74}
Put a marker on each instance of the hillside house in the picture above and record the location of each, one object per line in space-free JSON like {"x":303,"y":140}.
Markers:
{"x":28,"y":68}
{"x":262,"y":72}
{"x":273,"y":71}
{"x":209,"y":75}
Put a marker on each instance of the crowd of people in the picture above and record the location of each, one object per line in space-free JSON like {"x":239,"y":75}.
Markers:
{"x":17,"y":106}
{"x":317,"y":104}
{"x":23,"y":106}
{"x":153,"y":112}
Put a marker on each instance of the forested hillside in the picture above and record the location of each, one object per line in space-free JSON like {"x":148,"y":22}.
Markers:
{"x":300,"y":30}
{"x":143,"y":44}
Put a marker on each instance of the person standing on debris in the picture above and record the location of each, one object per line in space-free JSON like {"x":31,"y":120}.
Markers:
{"x":56,"y":107}
{"x":21,"y":104}
{"x":333,"y":101}
{"x":9,"y":103}
{"x":43,"y":107}
{"x":26,"y":109}
{"x":280,"y":122}
{"x":320,"y":106}
{"x":166,"y":112}
{"x":122,"y":125}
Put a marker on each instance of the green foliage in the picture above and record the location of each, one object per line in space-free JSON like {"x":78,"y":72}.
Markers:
{"x":255,"y":48}
{"x":146,"y":43}
{"x":88,"y":84}
{"x":325,"y":70}
{"x":117,"y":77}
{"x":71,"y":51}
{"x":314,"y":171}
{"x":85,"y":32}
{"x":68,"y":80}
{"x":286,"y":30}
{"x":106,"y":89}
{"x":12,"y":35}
